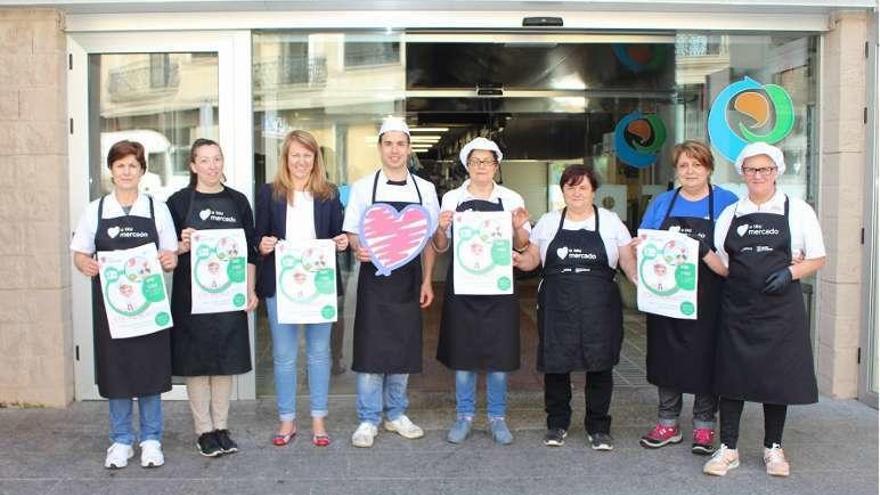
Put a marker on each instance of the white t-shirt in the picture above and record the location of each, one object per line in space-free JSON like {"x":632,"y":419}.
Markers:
{"x":300,"y":222}
{"x":510,"y":199}
{"x":613,"y":231}
{"x":806,"y":234}
{"x":84,"y":236}
{"x":360,"y":197}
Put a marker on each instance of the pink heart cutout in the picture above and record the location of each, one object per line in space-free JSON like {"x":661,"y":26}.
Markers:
{"x":394,"y":238}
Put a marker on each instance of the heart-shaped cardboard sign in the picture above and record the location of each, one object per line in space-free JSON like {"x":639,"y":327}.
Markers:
{"x":562,"y":252}
{"x":204,"y":214}
{"x":741,"y":230}
{"x":113,"y":232}
{"x":394,"y":238}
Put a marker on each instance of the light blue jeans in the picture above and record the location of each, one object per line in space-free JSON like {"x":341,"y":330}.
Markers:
{"x":150,"y":415}
{"x":466,"y":393}
{"x":285,"y":347}
{"x":377,"y":392}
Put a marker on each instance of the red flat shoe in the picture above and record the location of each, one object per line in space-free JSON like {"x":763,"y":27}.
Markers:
{"x":282,"y":440}
{"x":321,"y":440}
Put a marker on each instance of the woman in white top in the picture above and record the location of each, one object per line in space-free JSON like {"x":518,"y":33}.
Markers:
{"x":298,"y":204}
{"x":580,"y":315}
{"x":480,"y":332}
{"x":137,"y":366}
{"x":763,"y":351}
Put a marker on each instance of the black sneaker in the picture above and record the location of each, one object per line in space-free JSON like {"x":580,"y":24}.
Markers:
{"x":555,"y":437}
{"x":601,"y":441}
{"x":226,"y":444}
{"x":208,"y":445}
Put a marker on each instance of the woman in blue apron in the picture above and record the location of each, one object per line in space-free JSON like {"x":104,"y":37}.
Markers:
{"x":480,"y":332}
{"x":681,"y":353}
{"x":298,"y":205}
{"x":763,"y":350}
{"x":387,"y":341}
{"x":209,"y":349}
{"x":138,"y":366}
{"x":580,"y":315}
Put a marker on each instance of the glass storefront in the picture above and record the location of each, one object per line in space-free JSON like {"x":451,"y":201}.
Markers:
{"x":618,"y":102}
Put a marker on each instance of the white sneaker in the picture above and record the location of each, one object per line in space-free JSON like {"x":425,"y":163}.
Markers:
{"x":723,"y":460}
{"x":118,"y":455}
{"x":364,"y":435}
{"x":404,"y":427}
{"x":151,"y":454}
{"x":775,"y":461}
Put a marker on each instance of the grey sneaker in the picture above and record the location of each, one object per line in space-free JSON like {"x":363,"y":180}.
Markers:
{"x":600,"y":441}
{"x":500,"y":433}
{"x":459,"y":431}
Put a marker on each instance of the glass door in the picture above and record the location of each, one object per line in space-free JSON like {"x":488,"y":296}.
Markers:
{"x":163,"y":91}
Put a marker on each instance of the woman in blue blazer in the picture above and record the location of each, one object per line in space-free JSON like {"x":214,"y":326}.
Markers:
{"x":298,"y":204}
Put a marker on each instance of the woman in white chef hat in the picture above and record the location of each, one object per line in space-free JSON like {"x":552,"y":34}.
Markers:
{"x":479,"y":332}
{"x":763,"y":351}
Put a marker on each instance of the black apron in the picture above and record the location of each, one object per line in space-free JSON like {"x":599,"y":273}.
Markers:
{"x":580,"y":316}
{"x":478,"y":332}
{"x":138,"y":366}
{"x":388,"y":319}
{"x":764,"y":352}
{"x":215,"y":343}
{"x":681,"y":353}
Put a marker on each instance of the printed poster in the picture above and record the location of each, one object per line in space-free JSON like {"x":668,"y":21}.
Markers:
{"x":218,"y":270}
{"x":483,"y":258}
{"x":135,"y":297}
{"x":667,"y":274}
{"x":305,"y":281}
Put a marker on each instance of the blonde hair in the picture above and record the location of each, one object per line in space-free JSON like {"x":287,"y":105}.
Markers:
{"x":316,"y":184}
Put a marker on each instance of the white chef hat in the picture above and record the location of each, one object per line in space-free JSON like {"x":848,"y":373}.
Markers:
{"x":755,"y":149}
{"x":479,"y":143}
{"x":394,"y":124}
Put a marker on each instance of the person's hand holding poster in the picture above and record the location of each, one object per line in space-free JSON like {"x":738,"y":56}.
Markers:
{"x":483,"y":257}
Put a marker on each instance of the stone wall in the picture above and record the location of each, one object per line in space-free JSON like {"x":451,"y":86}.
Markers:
{"x":36,"y":337}
{"x":843,"y":174}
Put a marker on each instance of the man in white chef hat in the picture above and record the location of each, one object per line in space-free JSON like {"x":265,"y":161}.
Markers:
{"x":388,"y":319}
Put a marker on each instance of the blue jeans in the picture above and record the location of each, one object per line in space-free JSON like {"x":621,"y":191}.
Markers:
{"x":285,"y":347}
{"x":150,"y":415}
{"x":466,"y":392}
{"x":377,"y":392}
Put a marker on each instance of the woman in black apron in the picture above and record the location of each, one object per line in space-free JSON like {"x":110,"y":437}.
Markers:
{"x":480,"y":332}
{"x":681,"y":353}
{"x":763,"y":352}
{"x":580,"y":315}
{"x":209,"y":349}
{"x":139,"y":366}
{"x":387,"y":342}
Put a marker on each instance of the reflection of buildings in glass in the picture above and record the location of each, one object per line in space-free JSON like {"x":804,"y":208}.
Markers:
{"x":164,"y":101}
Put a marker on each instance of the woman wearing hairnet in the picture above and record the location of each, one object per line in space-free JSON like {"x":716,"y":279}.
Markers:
{"x":480,"y":332}
{"x":763,"y":353}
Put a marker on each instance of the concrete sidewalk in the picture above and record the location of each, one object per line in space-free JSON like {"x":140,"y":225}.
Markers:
{"x":832,"y":447}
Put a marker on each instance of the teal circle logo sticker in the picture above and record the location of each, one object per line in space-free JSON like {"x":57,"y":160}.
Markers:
{"x":638,"y":139}
{"x":162,"y":318}
{"x":328,"y":312}
{"x":504,"y":283}
{"x":687,"y":308}
{"x":238,"y":300}
{"x":748,"y":112}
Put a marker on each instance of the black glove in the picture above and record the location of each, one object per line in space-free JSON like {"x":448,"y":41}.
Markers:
{"x":777,"y":282}
{"x":704,"y":249}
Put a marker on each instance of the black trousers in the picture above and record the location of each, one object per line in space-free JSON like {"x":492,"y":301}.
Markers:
{"x":731,"y":412}
{"x":597,"y":391}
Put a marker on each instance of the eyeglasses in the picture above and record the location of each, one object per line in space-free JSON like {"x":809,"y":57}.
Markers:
{"x":481,"y":163}
{"x":764,"y":171}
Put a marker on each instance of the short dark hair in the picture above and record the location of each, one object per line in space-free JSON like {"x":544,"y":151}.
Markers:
{"x":124,"y":148}
{"x":198,"y":143}
{"x":574,"y":174}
